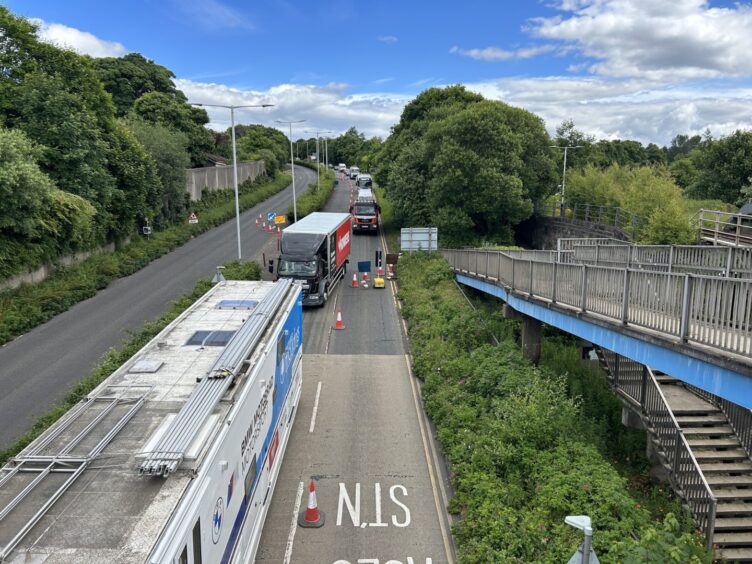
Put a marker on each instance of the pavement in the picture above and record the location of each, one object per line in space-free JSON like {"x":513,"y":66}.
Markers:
{"x":361,"y":435}
{"x":40,"y":367}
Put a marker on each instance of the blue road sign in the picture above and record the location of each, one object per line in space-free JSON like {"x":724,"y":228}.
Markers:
{"x":270,"y":216}
{"x":364,"y":266}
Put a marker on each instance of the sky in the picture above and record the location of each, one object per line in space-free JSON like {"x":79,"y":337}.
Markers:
{"x":620,"y":69}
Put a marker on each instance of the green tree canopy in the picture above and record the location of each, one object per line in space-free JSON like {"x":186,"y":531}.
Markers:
{"x":129,"y":77}
{"x":725,"y":167}
{"x":252,"y":139}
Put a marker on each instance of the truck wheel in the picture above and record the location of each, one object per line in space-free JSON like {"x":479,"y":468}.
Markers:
{"x":326,"y":297}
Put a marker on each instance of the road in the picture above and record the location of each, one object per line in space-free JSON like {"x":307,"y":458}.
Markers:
{"x":360,"y":434}
{"x":38,"y":368}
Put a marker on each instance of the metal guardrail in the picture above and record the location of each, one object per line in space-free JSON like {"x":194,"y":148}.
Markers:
{"x":627,"y":222}
{"x":709,"y":310}
{"x":724,"y":228}
{"x":639,"y":384}
{"x":695,"y":259}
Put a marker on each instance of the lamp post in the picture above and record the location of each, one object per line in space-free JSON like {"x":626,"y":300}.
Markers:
{"x":318,"y":161}
{"x":234,"y":157}
{"x":292,"y":168}
{"x":564,"y":174}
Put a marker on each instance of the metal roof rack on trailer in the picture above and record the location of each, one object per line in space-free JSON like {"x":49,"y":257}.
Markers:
{"x":72,"y":458}
{"x":171,"y":449}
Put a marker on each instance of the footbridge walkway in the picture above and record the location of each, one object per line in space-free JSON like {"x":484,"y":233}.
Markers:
{"x":673,"y":327}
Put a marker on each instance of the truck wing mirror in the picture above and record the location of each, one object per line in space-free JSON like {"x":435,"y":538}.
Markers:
{"x":271,"y":266}
{"x":351,"y":209}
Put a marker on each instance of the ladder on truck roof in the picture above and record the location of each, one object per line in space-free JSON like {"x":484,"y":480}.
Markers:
{"x":172,"y":447}
{"x":59,"y":458}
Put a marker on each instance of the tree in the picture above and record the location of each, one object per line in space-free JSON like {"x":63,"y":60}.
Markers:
{"x":725,"y":166}
{"x":252,"y":139}
{"x":681,"y":146}
{"x":168,"y":150}
{"x":129,"y":77}
{"x":166,"y":110}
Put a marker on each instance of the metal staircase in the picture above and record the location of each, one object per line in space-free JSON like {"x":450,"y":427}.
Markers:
{"x":703,"y":443}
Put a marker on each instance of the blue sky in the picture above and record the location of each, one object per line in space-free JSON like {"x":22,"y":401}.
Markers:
{"x":641,"y":69}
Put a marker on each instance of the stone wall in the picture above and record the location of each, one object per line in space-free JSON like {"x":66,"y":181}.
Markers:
{"x":213,"y":178}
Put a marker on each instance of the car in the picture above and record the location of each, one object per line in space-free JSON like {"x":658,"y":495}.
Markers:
{"x":342,"y":167}
{"x":354,"y":172}
{"x":364,"y":181}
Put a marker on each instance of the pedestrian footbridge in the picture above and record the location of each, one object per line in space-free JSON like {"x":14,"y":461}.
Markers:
{"x":673,"y":329}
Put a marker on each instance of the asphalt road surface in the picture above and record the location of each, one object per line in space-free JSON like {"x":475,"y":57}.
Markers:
{"x":360,"y":434}
{"x":37,"y":369}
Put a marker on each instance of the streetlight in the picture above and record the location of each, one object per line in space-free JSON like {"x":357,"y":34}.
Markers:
{"x":318,"y":161}
{"x":234,"y":157}
{"x":292,"y":168}
{"x":564,"y":173}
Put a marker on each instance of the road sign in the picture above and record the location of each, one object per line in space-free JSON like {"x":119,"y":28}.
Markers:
{"x":364,"y":266}
{"x":193,"y":218}
{"x":270,"y":216}
{"x":280,"y":219}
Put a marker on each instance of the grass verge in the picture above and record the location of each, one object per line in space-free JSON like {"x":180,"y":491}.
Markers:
{"x":113,"y":359}
{"x":24,"y":308}
{"x":527,"y":445}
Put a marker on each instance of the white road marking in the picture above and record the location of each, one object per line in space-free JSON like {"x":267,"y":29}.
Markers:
{"x":315,"y":409}
{"x":423,"y":432}
{"x":293,"y":523}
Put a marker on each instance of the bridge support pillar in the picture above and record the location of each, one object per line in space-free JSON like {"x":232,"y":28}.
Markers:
{"x":531,"y":333}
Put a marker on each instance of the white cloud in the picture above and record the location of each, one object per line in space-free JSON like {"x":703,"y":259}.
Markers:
{"x":388,"y":39}
{"x":327,"y":107}
{"x":493,"y":54}
{"x":80,"y":41}
{"x":656,"y":39}
{"x":382,"y":80}
{"x":214,"y":15}
{"x":641,"y":109}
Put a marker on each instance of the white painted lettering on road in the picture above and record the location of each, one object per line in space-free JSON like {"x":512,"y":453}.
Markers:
{"x":406,"y":522}
{"x":400,"y":517}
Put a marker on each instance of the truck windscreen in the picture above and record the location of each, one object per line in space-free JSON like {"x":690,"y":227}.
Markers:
{"x":297,"y":268}
{"x":365,"y":209}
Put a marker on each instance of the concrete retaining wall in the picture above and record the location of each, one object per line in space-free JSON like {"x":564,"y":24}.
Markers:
{"x":542,"y":232}
{"x":213,"y":178}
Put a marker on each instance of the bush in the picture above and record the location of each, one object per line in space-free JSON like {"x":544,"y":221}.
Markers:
{"x":315,"y":198}
{"x":526,"y":445}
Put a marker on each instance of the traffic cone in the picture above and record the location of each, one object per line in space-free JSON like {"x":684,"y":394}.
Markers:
{"x":355,"y":281}
{"x":263,"y":226}
{"x":279,"y":229}
{"x":365,"y":280}
{"x":311,"y":517}
{"x":256,"y":222}
{"x":271,"y":228}
{"x":339,"y":325}
{"x":380,"y":272}
{"x":390,"y":271}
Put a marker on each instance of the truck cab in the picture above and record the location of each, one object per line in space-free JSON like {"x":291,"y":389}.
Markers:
{"x":314,"y":252}
{"x":365,"y":211}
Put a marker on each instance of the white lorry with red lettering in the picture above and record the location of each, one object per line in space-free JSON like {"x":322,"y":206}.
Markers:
{"x":315,"y":250}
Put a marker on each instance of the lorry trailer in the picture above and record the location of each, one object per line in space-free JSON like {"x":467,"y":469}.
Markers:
{"x":174,"y":457}
{"x":315,"y":251}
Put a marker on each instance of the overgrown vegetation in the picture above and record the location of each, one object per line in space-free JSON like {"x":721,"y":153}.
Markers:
{"x":113,"y":359}
{"x":26,"y":307}
{"x":527,"y":446}
{"x":317,"y":195}
{"x":469,"y":166}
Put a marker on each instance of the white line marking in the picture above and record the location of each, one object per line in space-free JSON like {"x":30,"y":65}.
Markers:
{"x":315,"y":409}
{"x":293,"y":523}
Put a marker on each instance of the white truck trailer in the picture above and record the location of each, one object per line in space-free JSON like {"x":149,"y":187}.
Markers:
{"x":174,"y":457}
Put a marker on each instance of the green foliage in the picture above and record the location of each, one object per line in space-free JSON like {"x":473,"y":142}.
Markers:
{"x":725,"y":168}
{"x":113,"y":359}
{"x":353,"y":149}
{"x":526,"y":446}
{"x":26,"y":307}
{"x":315,"y":198}
{"x":648,"y":191}
{"x":129,"y":77}
{"x":167,"y":110}
{"x":168,"y":150}
{"x":469,"y":166}
{"x":260,"y":142}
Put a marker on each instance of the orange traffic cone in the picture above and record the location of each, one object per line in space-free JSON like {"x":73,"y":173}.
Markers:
{"x":390,"y":271}
{"x":279,"y":229}
{"x":256,"y":222}
{"x":365,"y":280}
{"x":263,"y":226}
{"x":311,"y":517}
{"x":355,"y":281}
{"x":339,"y":325}
{"x":380,"y":272}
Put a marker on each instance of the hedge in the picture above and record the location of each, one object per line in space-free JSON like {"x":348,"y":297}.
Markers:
{"x":113,"y":359}
{"x":523,"y":448}
{"x":24,"y":308}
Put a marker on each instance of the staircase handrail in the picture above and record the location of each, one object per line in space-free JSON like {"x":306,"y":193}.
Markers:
{"x":684,"y":470}
{"x":723,"y":228}
{"x":626,"y":221}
